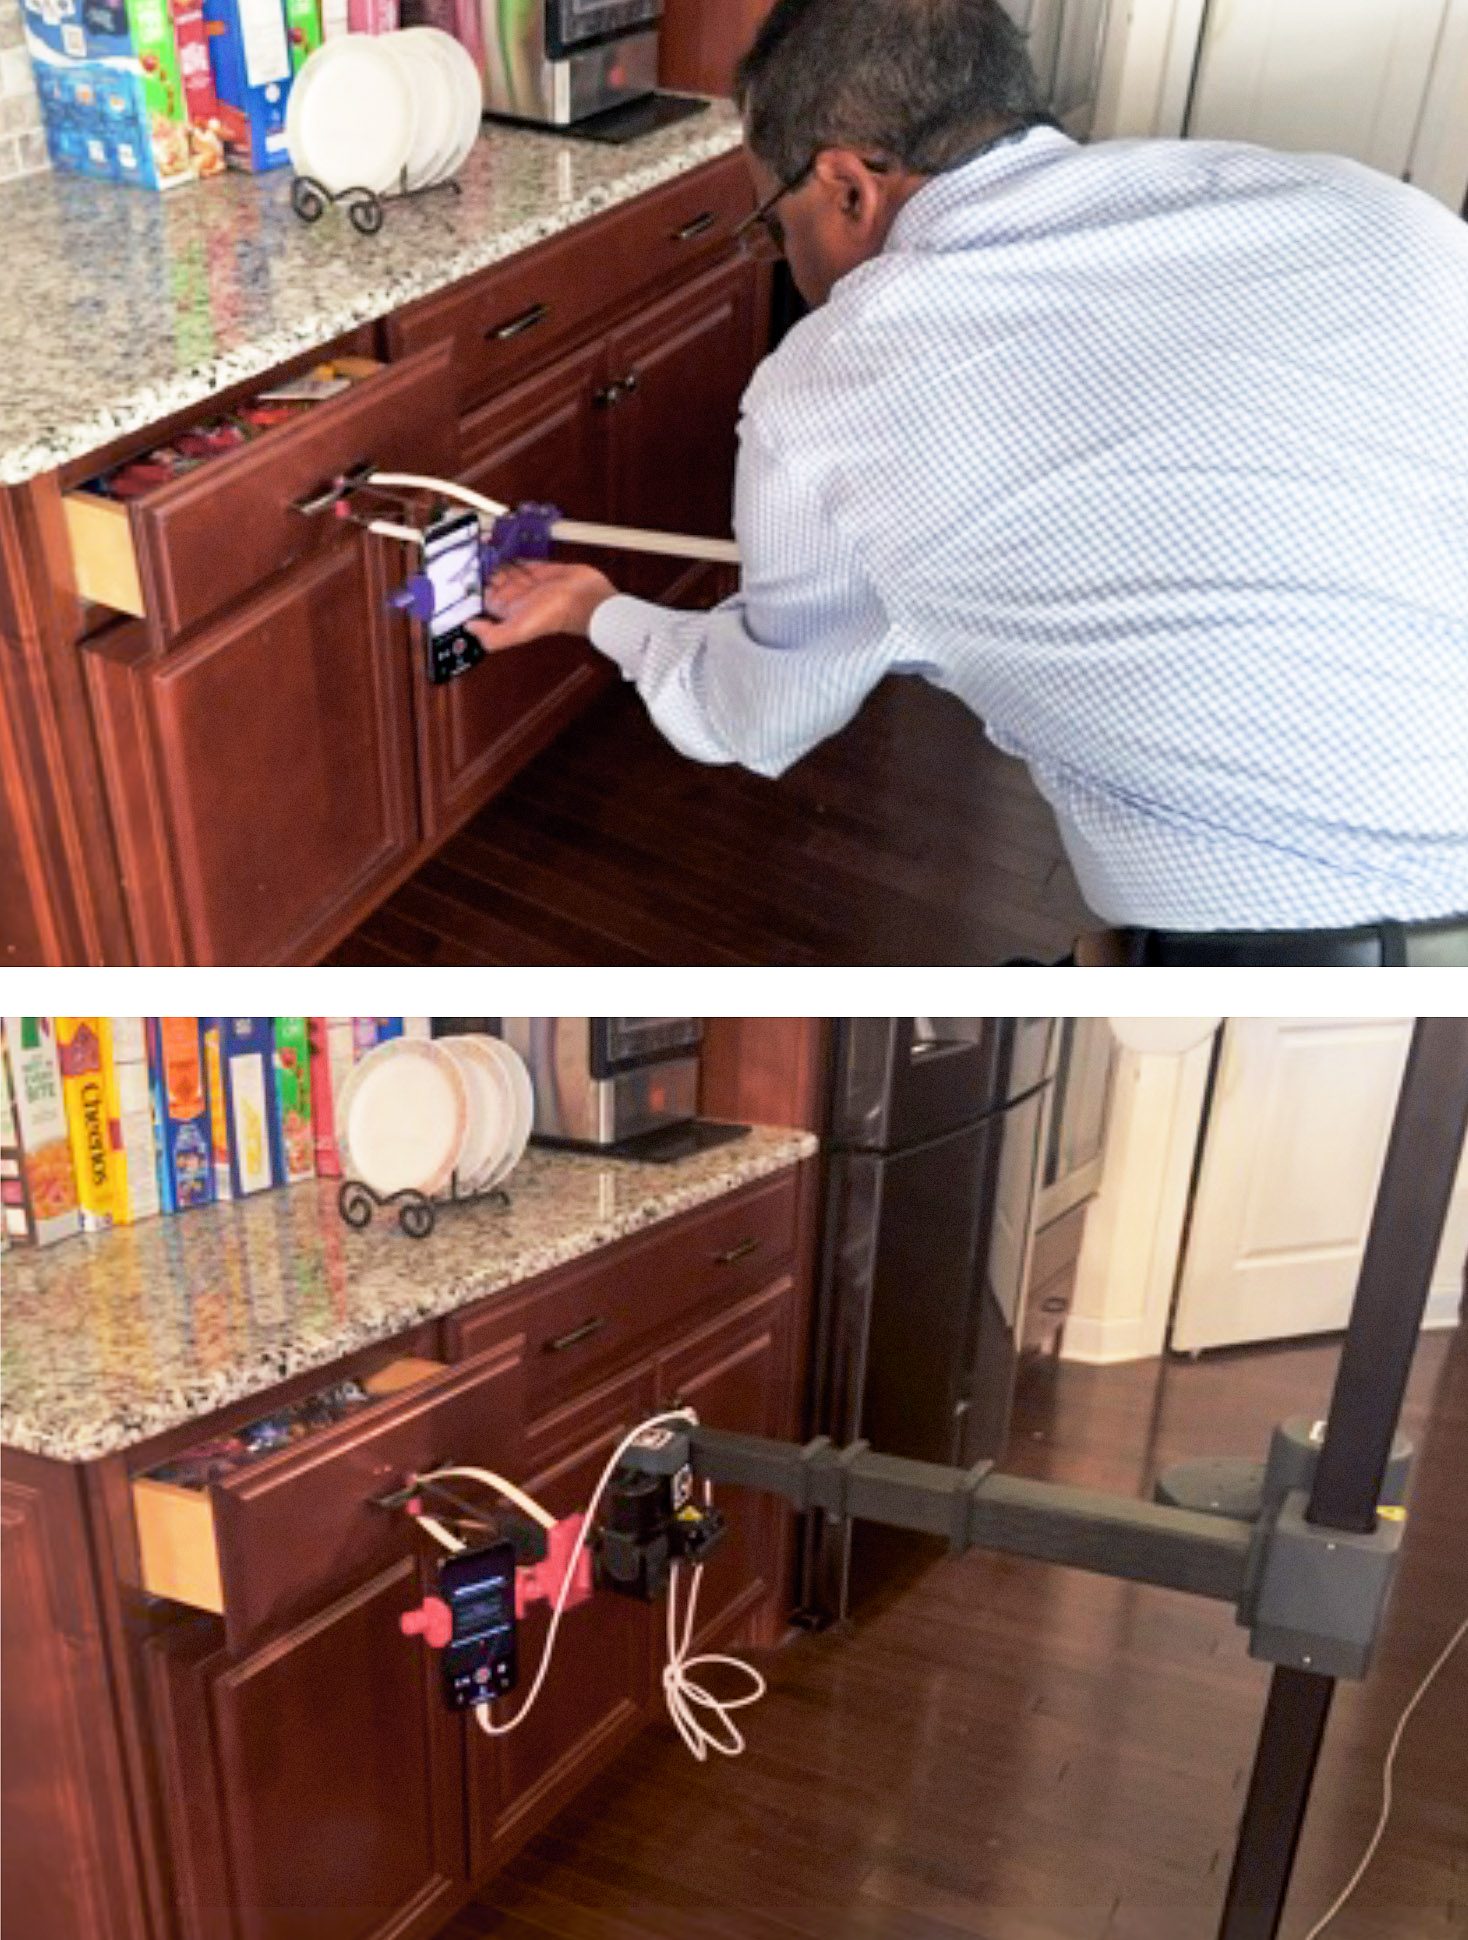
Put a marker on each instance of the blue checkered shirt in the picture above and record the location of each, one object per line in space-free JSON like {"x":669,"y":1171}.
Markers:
{"x":1156,"y":454}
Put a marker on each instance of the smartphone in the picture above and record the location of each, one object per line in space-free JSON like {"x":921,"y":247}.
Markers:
{"x":453,"y":563}
{"x":481,"y":1661}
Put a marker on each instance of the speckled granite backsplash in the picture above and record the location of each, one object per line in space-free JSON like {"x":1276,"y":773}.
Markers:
{"x":120,"y":306}
{"x":107,"y":1340}
{"x":22,"y":145}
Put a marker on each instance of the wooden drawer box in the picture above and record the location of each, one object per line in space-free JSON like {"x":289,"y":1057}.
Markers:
{"x":590,"y":1319}
{"x":211,"y":537}
{"x":509,"y":319}
{"x":273,"y":1540}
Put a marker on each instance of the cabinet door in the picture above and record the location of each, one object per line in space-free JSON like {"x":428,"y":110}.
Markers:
{"x":261,"y":777}
{"x":680,"y":370}
{"x":314,"y":1786}
{"x":738,"y":1374}
{"x":599,"y":1686}
{"x":544,"y":442}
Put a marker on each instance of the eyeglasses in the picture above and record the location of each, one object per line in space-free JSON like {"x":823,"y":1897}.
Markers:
{"x":765,"y":223}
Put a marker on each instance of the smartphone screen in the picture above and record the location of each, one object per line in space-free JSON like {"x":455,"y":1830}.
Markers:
{"x":451,"y":559}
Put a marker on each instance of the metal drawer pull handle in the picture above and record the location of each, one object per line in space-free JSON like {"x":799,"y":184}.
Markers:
{"x":700,"y":226}
{"x":328,"y":496}
{"x":517,"y":326}
{"x":575,"y":1337}
{"x":740,"y":1252}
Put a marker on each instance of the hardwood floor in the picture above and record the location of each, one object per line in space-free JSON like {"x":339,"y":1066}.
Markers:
{"x":1009,"y":1751}
{"x":906,"y":840}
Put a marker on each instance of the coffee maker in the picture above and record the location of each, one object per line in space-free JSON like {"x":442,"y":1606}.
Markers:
{"x":559,"y":62}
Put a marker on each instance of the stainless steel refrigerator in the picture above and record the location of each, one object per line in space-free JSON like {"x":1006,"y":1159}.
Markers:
{"x":935,"y":1143}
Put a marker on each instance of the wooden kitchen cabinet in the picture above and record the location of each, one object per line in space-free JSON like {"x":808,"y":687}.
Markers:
{"x":313,"y":1788}
{"x":260,"y":776}
{"x":599,"y":1687}
{"x":738,"y":1372}
{"x":678,"y":371}
{"x":544,"y":442}
{"x":284,"y":1768}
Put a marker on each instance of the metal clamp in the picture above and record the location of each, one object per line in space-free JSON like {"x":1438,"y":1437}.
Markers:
{"x":1314,"y":1597}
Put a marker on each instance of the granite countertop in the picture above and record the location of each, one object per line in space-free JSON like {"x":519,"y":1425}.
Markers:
{"x":119,"y":306}
{"x":111,"y":1338}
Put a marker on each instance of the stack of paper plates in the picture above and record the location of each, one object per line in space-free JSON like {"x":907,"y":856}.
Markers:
{"x":384,"y":111}
{"x":433,"y":1115}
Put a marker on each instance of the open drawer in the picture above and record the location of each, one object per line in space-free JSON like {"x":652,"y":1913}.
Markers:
{"x":212,"y":536}
{"x":268,"y":1540}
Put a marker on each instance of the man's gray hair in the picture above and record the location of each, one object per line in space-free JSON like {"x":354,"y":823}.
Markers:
{"x":921,"y":82}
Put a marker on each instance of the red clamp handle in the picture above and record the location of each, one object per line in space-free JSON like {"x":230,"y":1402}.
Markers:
{"x":432,"y":1621}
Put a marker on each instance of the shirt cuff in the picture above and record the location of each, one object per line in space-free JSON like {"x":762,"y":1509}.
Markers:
{"x":623,"y":628}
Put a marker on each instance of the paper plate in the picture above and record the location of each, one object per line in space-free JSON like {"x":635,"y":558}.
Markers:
{"x":403,"y":1116}
{"x":492,"y":1110}
{"x":435,"y":108}
{"x":513,"y":1066}
{"x":463,"y":103}
{"x":350,"y":120}
{"x":469,"y":92}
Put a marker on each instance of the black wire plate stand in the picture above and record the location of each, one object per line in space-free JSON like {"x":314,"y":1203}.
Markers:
{"x":365,"y":207}
{"x":415,"y":1212}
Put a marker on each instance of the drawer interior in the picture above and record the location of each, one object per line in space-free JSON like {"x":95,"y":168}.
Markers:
{"x":173,"y":1505}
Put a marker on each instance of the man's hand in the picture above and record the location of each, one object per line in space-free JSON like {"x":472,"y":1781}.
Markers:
{"x":538,"y":600}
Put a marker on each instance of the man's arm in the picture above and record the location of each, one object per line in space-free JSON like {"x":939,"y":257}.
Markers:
{"x":765,"y":677}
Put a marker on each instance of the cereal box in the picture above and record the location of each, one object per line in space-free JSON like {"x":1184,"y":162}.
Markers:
{"x":79,"y":1050}
{"x":129,"y":1119}
{"x":39,"y":1185}
{"x":333,"y":1053}
{"x":249,"y":46}
{"x":303,"y":30}
{"x":181,"y":1101}
{"x":112,"y":97}
{"x":240,"y":1054}
{"x":295,"y":1154}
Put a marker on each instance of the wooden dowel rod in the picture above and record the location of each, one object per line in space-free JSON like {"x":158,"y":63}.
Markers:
{"x":672,"y":545}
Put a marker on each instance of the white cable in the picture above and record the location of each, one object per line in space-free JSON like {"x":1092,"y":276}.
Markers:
{"x":440,"y":1534}
{"x":481,"y":1713}
{"x":508,"y":1490}
{"x":686,"y":1698}
{"x":410,"y":481}
{"x":1386,"y":1782}
{"x":676,"y":545}
{"x":688,"y":1701}
{"x":385,"y":529}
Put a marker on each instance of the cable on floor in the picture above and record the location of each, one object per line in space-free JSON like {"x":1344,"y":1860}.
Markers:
{"x":1386,"y":1782}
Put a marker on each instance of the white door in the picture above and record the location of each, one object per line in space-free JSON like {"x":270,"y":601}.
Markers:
{"x":1292,"y":1158}
{"x":1349,"y":77}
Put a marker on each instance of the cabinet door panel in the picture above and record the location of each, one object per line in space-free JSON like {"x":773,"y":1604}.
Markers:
{"x":738,"y":1375}
{"x":599,"y":1686}
{"x":313,"y":1787}
{"x":675,"y":432}
{"x":544,"y":442}
{"x":271,"y":759}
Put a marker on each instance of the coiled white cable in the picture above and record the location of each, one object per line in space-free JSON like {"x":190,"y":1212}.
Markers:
{"x":689,"y":1701}
{"x":686,"y":1698}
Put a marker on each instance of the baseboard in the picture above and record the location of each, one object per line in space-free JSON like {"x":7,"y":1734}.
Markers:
{"x":1444,"y":1307}
{"x":1099,"y":1340}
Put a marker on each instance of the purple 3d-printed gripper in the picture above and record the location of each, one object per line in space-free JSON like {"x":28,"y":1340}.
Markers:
{"x":417,"y":599}
{"x":524,"y":533}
